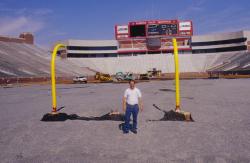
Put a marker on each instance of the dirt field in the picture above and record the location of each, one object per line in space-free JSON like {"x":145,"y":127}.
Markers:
{"x":220,"y":133}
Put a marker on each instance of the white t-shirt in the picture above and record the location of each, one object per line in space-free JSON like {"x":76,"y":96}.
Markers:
{"x":132,"y":95}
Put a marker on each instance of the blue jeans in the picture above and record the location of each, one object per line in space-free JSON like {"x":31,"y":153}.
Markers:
{"x":131,"y":109}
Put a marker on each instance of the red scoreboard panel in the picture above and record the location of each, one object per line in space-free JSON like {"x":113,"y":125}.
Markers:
{"x":154,"y":35}
{"x":154,"y":28}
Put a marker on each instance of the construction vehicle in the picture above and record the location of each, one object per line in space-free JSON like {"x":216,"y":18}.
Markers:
{"x":103,"y":77}
{"x":154,"y":73}
{"x":80,"y":79}
{"x":121,"y":76}
{"x":144,"y":76}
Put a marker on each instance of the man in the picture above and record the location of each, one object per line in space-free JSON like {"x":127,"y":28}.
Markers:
{"x":132,"y":103}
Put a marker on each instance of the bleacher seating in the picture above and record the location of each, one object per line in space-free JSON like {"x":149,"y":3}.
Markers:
{"x":165,"y":62}
{"x":24,"y":60}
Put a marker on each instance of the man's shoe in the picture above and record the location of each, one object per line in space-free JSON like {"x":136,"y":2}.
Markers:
{"x":125,"y":132}
{"x":134,"y":131}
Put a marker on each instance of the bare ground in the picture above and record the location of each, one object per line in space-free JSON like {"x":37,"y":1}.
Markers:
{"x":220,"y":133}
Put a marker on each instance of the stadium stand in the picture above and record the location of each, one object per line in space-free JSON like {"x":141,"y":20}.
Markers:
{"x":165,"y":62}
{"x":27,"y":60}
{"x":236,"y":63}
{"x":227,"y":52}
{"x":208,"y":52}
{"x":33,"y":62}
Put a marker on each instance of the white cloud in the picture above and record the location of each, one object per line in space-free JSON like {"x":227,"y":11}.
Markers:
{"x":14,"y":21}
{"x":17,"y":25}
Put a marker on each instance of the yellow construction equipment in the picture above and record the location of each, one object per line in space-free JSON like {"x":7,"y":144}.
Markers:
{"x":154,"y":73}
{"x":103,"y":77}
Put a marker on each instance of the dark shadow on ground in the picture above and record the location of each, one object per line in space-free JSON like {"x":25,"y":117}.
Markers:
{"x":111,"y":116}
{"x":167,"y":90}
{"x":171,"y":116}
{"x":189,"y":98}
{"x":62,"y":107}
{"x":62,"y":88}
{"x":73,"y":87}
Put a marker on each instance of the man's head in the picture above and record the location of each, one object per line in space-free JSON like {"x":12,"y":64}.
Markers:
{"x":132,"y":84}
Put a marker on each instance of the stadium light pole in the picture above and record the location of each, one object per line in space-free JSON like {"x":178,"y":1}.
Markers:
{"x":53,"y":77}
{"x":177,"y":80}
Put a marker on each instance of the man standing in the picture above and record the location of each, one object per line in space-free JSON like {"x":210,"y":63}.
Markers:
{"x":132,"y":103}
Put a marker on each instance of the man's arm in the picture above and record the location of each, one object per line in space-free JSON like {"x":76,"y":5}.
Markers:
{"x":124,"y":104}
{"x":140,"y":104}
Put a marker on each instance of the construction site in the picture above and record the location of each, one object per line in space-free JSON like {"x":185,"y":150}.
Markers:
{"x":220,"y":132}
{"x":91,"y":76}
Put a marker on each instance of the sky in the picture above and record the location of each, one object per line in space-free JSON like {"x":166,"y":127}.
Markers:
{"x":54,"y":20}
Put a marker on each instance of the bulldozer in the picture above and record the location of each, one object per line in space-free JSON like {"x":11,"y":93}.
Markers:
{"x":103,"y":77}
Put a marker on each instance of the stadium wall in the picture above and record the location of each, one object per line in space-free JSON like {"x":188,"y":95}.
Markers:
{"x":142,"y":64}
{"x":216,"y":43}
{"x":208,"y":51}
{"x":225,"y":42}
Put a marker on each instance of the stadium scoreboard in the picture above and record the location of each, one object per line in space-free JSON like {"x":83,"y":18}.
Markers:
{"x":155,"y":28}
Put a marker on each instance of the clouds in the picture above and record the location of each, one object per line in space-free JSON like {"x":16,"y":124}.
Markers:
{"x":16,"y":25}
{"x":23,"y":20}
{"x":96,"y":20}
{"x":14,"y":21}
{"x":35,"y":20}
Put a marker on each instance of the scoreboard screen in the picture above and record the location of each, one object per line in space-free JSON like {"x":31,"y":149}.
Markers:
{"x":162,"y":29}
{"x":137,"y":31}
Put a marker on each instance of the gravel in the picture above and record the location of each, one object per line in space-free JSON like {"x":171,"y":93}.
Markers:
{"x":220,"y":133}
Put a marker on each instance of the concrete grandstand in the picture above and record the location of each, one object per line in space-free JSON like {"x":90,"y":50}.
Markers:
{"x":214,"y":53}
{"x":208,"y":53}
{"x":22,"y":61}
